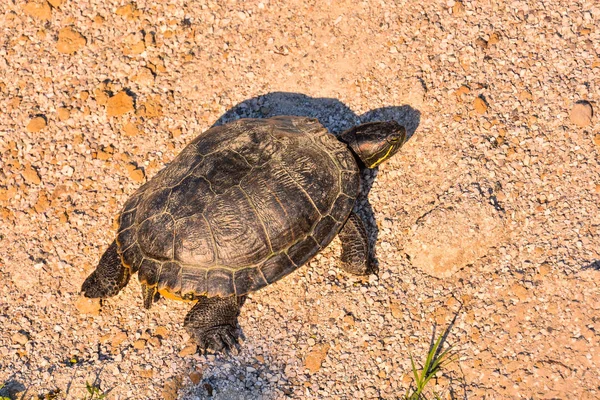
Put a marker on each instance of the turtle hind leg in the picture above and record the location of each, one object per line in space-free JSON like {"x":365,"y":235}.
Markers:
{"x":213,"y":323}
{"x":109,"y":277}
{"x":355,"y":246}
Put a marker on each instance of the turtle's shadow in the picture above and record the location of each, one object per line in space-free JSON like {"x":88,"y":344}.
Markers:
{"x":12,"y":389}
{"x":593,"y":265}
{"x":336,"y":117}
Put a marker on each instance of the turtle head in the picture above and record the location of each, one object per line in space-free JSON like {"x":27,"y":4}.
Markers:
{"x":375,"y":142}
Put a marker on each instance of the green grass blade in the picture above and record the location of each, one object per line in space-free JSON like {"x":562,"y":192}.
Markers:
{"x":434,"y":362}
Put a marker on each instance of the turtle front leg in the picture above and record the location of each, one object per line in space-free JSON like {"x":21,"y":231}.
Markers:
{"x":213,"y":322}
{"x":355,"y":246}
{"x":109,"y":277}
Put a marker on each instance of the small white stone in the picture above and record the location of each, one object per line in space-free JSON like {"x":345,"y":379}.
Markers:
{"x":67,"y":170}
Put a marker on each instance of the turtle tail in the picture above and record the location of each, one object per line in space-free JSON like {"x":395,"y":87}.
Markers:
{"x":109,"y":277}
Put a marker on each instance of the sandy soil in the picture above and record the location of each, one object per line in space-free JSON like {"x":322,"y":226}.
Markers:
{"x":487,"y":221}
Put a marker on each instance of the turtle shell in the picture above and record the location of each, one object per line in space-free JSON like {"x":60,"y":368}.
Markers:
{"x":243,"y":205}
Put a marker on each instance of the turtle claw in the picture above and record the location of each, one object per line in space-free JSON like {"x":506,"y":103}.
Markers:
{"x":220,"y":339}
{"x":213,"y":324}
{"x":231,"y":343}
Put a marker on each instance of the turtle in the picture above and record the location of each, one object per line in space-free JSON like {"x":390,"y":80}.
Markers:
{"x":242,"y":206}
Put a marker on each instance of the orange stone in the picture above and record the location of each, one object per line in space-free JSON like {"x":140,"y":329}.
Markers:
{"x":480,"y":105}
{"x":70,"y":41}
{"x":119,"y":104}
{"x":39,"y":9}
{"x":36,"y":124}
{"x":315,"y":357}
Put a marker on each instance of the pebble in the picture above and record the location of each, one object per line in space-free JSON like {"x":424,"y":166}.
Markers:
{"x":145,"y":76}
{"x":139,"y":344}
{"x":349,"y":320}
{"x":105,"y":338}
{"x":130,"y":129}
{"x":458,"y":8}
{"x":70,"y":41}
{"x":161,"y":331}
{"x":147,"y":373}
{"x":480,"y":105}
{"x":118,"y":338}
{"x":188,"y":350}
{"x":396,"y":310}
{"x":135,"y":48}
{"x":39,"y":9}
{"x":209,"y":389}
{"x":67,"y":170}
{"x":195,"y":377}
{"x":170,"y":389}
{"x":88,"y":306}
{"x":8,"y":193}
{"x":544,"y":270}
{"x":119,"y":104}
{"x":581,"y":113}
{"x":525,"y":95}
{"x":20,"y":338}
{"x":63,"y":114}
{"x":104,"y":154}
{"x":494,"y":39}
{"x":482,"y":43}
{"x":462,"y":91}
{"x":150,"y":108}
{"x":101,"y":96}
{"x":36,"y":124}
{"x":136,"y":174}
{"x":31,"y":175}
{"x":42,"y":203}
{"x":520,"y":291}
{"x":126,"y":10}
{"x":315,"y":357}
{"x":154,"y":341}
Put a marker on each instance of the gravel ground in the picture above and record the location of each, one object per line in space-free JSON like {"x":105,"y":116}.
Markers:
{"x":487,"y":221}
